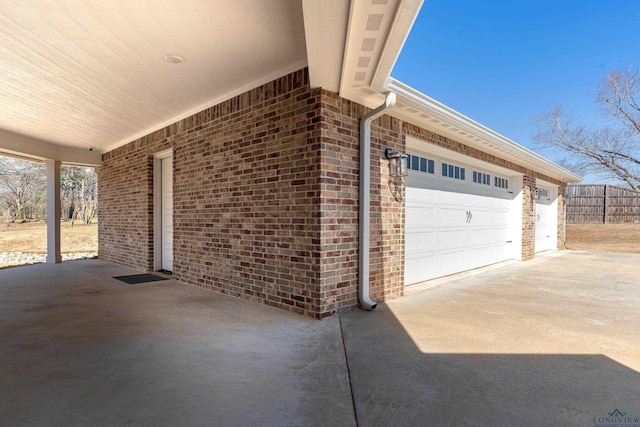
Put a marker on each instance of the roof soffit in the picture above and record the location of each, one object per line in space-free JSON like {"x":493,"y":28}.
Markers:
{"x":375,"y":36}
{"x":91,"y":74}
{"x":325,"y":28}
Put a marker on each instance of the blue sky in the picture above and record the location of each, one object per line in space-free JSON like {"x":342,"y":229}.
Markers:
{"x":502,"y":62}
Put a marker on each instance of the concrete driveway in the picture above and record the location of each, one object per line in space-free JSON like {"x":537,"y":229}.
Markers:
{"x":552,"y":341}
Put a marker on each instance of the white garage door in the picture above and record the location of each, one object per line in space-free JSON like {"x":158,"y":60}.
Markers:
{"x":546,"y":218}
{"x":454,"y":225}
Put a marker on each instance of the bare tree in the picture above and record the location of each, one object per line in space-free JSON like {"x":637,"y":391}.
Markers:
{"x":23,"y":190}
{"x":24,"y":185}
{"x":613,"y":149}
{"x":79,"y":193}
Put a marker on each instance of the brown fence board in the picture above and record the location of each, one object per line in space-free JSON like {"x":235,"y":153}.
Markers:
{"x":593,"y":203}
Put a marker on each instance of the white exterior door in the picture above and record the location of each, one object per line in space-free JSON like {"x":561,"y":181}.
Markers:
{"x":167,"y":214}
{"x":453,"y":225}
{"x":546,"y":217}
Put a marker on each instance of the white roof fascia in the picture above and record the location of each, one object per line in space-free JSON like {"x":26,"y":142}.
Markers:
{"x":523,"y":156}
{"x":406,"y":15}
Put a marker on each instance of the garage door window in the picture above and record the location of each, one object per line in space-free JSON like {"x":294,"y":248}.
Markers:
{"x":421,"y":164}
{"x":481,"y":178}
{"x":453,"y":171}
{"x":501,"y":182}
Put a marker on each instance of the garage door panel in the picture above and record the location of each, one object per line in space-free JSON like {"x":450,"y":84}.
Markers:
{"x":475,"y":200}
{"x":450,"y":198}
{"x":480,"y":217}
{"x":501,"y":217}
{"x":480,"y":256}
{"x":418,"y":268}
{"x":421,"y":195}
{"x":450,"y":261}
{"x":479,"y":236}
{"x":451,"y":238}
{"x":420,"y":216}
{"x":453,"y":215}
{"x":501,"y":235}
{"x":420,"y":242}
{"x":500,"y":252}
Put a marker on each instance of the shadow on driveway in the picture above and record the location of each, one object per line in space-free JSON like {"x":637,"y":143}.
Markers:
{"x":553,"y":341}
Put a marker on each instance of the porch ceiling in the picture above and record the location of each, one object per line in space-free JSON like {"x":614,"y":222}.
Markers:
{"x":78,"y":74}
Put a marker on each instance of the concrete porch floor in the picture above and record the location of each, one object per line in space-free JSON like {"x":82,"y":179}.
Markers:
{"x":552,"y":341}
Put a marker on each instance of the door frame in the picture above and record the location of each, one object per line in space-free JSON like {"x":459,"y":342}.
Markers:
{"x":157,"y":206}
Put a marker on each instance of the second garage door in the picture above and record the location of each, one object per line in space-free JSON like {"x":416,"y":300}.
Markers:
{"x":456,"y":224}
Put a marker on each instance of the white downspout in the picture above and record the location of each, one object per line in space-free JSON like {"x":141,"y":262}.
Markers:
{"x":365,"y":200}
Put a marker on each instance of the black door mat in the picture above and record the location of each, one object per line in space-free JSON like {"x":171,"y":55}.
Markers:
{"x":134,"y":279}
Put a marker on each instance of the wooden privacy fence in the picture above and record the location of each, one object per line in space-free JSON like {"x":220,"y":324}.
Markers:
{"x":601,"y":204}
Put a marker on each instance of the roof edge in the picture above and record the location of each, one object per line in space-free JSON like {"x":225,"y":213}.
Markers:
{"x":434,"y":108}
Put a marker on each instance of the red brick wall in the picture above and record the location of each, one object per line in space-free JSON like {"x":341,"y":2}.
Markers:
{"x":339,"y":206}
{"x":125,"y":191}
{"x":266,"y":199}
{"x":339,"y":203}
{"x":246,"y":192}
{"x":245,"y":198}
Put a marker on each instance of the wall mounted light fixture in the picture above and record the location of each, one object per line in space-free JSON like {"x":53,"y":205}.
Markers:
{"x":397,"y":162}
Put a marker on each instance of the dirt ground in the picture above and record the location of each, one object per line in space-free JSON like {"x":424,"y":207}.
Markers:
{"x":604,"y":237}
{"x":31,"y":237}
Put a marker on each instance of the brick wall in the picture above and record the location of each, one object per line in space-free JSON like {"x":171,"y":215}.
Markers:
{"x":339,"y":212}
{"x":387,"y":212}
{"x":246,"y":187}
{"x":125,"y":189}
{"x":562,"y":229}
{"x":266,"y":199}
{"x":246,"y":191}
{"x":339,"y":201}
{"x":528,"y":216}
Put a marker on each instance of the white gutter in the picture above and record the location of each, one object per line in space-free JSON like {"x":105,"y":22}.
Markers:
{"x":365,"y":200}
{"x":409,"y":96}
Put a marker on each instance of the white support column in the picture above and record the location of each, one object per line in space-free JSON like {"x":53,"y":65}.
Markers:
{"x":54,"y":255}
